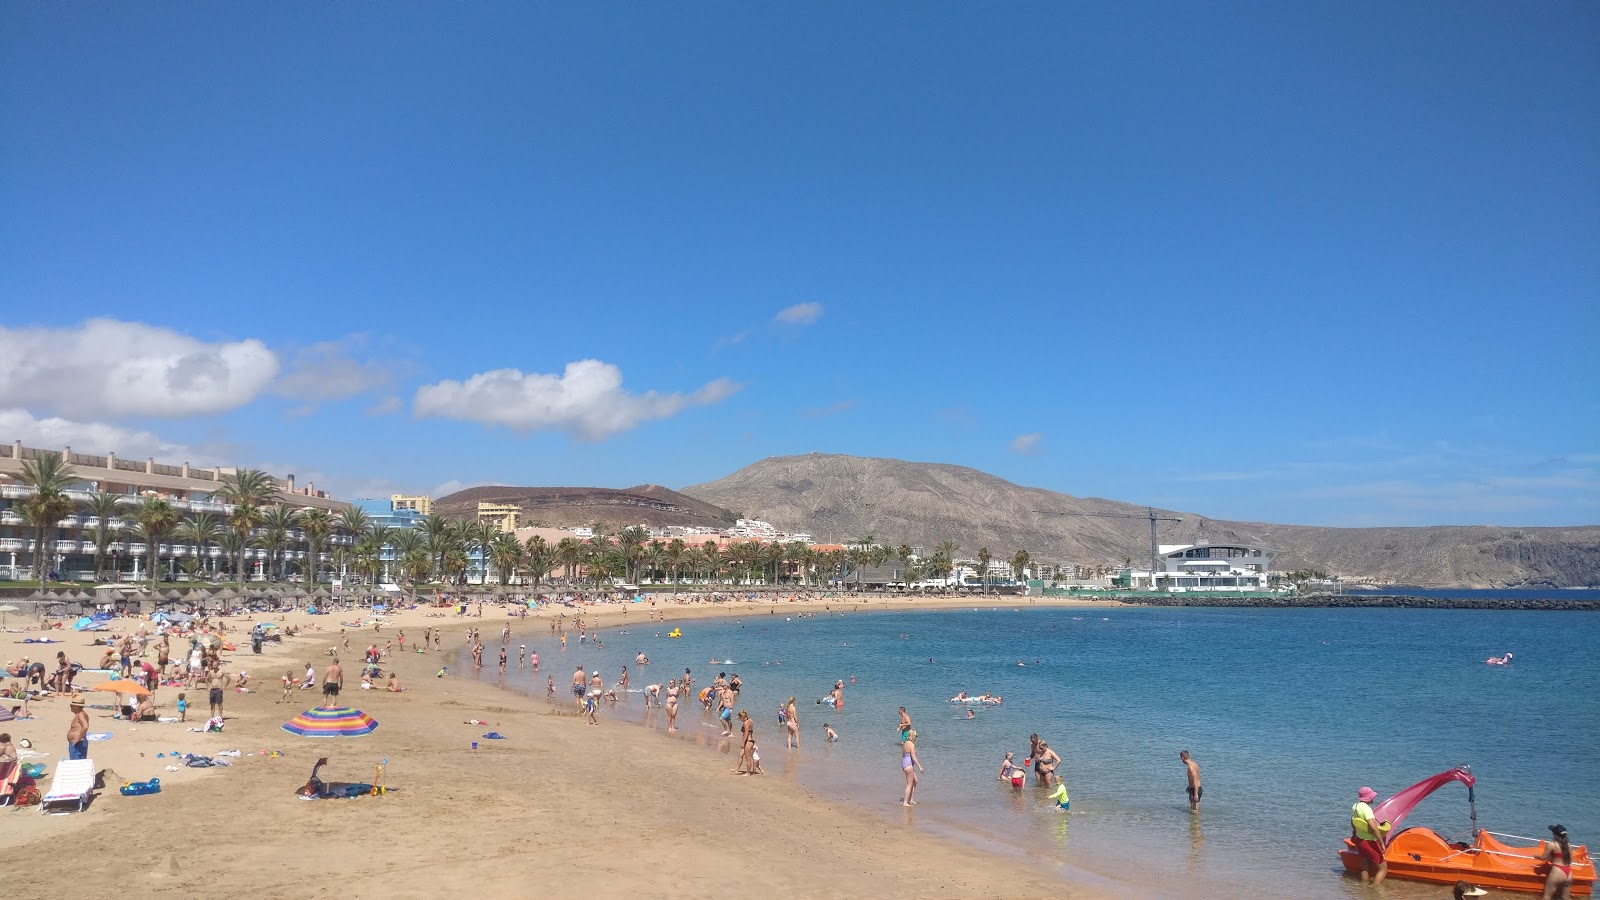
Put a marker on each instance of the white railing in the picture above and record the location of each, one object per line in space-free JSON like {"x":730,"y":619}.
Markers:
{"x":14,"y":545}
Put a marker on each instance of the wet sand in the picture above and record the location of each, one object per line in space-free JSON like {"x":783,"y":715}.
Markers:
{"x":560,"y":808}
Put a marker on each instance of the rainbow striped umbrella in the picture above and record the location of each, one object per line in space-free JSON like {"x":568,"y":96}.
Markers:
{"x":331,"y":721}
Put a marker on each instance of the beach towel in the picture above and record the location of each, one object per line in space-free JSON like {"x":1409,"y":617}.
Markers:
{"x":495,"y":736}
{"x":99,"y":735}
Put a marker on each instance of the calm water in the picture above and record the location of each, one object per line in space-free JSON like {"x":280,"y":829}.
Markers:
{"x":1287,"y":712}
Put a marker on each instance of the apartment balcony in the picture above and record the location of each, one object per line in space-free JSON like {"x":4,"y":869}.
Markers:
{"x":15,"y":491}
{"x":10,"y":517}
{"x":14,"y":545}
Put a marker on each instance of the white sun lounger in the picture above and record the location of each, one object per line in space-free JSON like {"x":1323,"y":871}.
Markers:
{"x":70,"y":785}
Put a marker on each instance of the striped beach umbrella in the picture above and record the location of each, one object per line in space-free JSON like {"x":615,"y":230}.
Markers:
{"x":331,"y":721}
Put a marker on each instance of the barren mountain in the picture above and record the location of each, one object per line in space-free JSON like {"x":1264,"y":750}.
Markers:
{"x":841,"y":498}
{"x":648,"y":504}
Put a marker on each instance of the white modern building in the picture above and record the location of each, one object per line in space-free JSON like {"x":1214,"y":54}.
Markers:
{"x":1214,"y":567}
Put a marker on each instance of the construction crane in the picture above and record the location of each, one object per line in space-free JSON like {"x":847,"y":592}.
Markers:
{"x":1150,"y":513}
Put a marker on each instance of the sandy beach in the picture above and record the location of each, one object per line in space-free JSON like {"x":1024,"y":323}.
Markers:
{"x":559,"y":807}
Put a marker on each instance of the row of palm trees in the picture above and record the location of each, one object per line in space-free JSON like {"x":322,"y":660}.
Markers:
{"x":437,"y":549}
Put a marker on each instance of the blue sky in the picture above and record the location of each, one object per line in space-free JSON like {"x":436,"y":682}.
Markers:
{"x":1325,"y":263}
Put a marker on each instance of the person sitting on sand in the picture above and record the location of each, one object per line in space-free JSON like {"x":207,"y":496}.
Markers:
{"x":393,"y":686}
{"x":147,"y":708}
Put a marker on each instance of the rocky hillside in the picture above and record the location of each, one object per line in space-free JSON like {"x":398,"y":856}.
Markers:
{"x":840,"y":498}
{"x":648,"y":504}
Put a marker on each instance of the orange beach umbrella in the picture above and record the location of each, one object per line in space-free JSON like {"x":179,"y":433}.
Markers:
{"x":123,"y":686}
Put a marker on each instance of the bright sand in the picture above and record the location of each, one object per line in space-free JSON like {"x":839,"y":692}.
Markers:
{"x":560,"y":808}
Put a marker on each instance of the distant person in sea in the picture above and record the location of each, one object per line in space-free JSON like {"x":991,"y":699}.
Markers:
{"x":1558,"y":856}
{"x":910,"y":765}
{"x":905,"y":723}
{"x":1368,"y":837}
{"x":1194,"y":789}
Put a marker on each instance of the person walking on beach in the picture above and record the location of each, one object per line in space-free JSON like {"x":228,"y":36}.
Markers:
{"x":1367,"y":837}
{"x":908,"y":762}
{"x":1194,"y":780}
{"x":522,"y":656}
{"x":78,"y":731}
{"x":792,"y":723}
{"x":578,"y":681}
{"x":332,"y":681}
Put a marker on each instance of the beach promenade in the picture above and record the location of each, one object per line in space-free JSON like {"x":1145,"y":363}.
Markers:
{"x":557,"y":809}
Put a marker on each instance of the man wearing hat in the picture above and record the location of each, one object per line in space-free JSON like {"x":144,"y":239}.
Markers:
{"x":1368,"y":837}
{"x":78,"y":730}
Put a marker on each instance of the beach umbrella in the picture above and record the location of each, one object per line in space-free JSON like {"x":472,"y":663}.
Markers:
{"x":8,"y":608}
{"x":173,"y":594}
{"x":36,"y":595}
{"x":122,"y":686}
{"x":331,"y":721}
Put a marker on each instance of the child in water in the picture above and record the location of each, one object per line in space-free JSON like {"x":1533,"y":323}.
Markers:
{"x":829,"y":733}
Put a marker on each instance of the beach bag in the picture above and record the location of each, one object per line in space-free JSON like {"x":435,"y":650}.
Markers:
{"x":26,"y":796}
{"x":33,"y":770}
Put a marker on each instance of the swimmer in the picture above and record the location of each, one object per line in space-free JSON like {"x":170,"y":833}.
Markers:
{"x":971,"y":714}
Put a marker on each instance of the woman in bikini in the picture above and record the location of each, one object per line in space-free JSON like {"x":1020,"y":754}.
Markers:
{"x":1558,"y":855}
{"x":792,"y":723}
{"x":910,"y":765}
{"x":746,"y":764}
{"x":672,"y":706}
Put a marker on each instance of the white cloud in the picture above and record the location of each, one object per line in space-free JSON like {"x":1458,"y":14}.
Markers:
{"x":386,"y":406}
{"x":800,"y":314}
{"x":329,"y":370}
{"x":93,"y":438}
{"x":586,"y":401}
{"x":1027,"y":444}
{"x":107,"y":367}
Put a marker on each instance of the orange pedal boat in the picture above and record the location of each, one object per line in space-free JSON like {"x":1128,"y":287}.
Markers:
{"x":1420,"y":854}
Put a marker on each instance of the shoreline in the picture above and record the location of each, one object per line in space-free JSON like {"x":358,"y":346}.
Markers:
{"x":475,"y":820}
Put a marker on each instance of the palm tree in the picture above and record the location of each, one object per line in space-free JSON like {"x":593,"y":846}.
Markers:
{"x":355,"y":522}
{"x":104,"y":508}
{"x":200,"y":533}
{"x":569,"y":552}
{"x":860,"y":555}
{"x":155,"y":520}
{"x":247,"y":490}
{"x":945,"y":558}
{"x":774,"y":555}
{"x":676,"y":548}
{"x":276,"y":523}
{"x":540,"y":558}
{"x":48,"y":474}
{"x":438,"y":533}
{"x":233,"y":546}
{"x":904,"y":554}
{"x":477,"y":536}
{"x":1019,"y":563}
{"x":317,"y":524}
{"x":800,"y":555}
{"x":507,"y":555}
{"x":983,"y":566}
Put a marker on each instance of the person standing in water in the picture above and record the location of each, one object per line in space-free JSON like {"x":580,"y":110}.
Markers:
{"x":1367,"y":837}
{"x":1195,"y":790}
{"x":672,"y":705}
{"x":792,"y":723}
{"x":908,"y":763}
{"x":838,"y":695}
{"x":905,"y":723}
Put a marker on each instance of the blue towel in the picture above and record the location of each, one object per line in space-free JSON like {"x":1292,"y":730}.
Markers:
{"x":495,"y":736}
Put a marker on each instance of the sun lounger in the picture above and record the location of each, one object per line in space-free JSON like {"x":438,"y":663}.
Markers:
{"x":70,"y":785}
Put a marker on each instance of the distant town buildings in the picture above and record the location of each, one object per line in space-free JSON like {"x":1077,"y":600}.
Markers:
{"x":423,"y":505}
{"x":503,"y":516}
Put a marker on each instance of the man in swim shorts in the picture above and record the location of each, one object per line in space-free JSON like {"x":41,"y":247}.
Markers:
{"x":1195,"y":790}
{"x":579,"y":681}
{"x":332,"y":680}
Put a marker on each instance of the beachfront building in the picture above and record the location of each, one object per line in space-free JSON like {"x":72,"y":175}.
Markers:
{"x":502,"y":516}
{"x":420,"y":505}
{"x":1213,"y":567}
{"x":187,"y":489}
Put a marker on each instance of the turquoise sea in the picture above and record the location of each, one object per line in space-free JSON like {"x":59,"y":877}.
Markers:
{"x":1287,"y":712}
